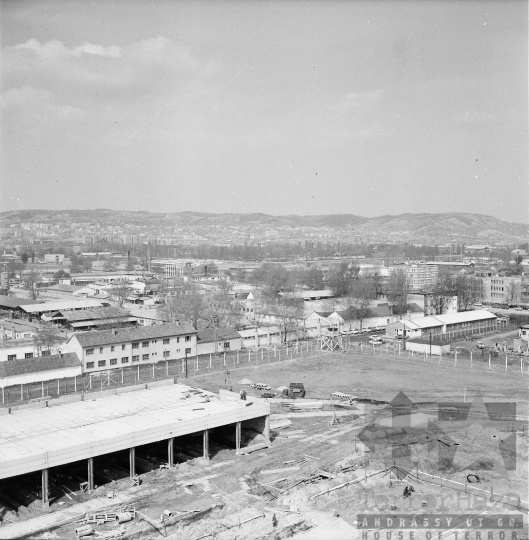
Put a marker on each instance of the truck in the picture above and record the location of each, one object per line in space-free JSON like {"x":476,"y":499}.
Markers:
{"x":296,"y":390}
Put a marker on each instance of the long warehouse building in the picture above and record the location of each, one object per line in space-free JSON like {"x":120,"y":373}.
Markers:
{"x":33,"y":440}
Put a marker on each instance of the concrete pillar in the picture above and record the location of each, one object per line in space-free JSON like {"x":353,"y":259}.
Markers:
{"x":132,"y":461}
{"x":266,"y":432}
{"x":170,"y":452}
{"x":238,"y":431}
{"x":45,"y":490}
{"x":206,"y":443}
{"x":90,"y":474}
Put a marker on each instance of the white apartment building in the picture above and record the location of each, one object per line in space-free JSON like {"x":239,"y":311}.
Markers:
{"x":419,"y":277}
{"x":123,"y":347}
{"x":497,"y":289}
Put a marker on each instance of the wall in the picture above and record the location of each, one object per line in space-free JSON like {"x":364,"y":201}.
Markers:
{"x":208,"y":347}
{"x":20,"y":351}
{"x":437,"y":350}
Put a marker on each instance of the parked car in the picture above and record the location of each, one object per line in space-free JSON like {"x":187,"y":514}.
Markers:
{"x":375,"y":342}
{"x":268,"y":395}
{"x":375,"y":337}
{"x":355,"y":331}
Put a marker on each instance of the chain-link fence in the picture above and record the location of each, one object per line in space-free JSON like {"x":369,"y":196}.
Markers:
{"x":146,"y":373}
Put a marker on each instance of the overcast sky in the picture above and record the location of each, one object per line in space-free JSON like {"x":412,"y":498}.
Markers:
{"x":302,"y":107}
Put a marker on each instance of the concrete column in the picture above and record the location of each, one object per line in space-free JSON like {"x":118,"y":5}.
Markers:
{"x":238,"y":431}
{"x":90,"y":474}
{"x":45,"y":490}
{"x":132,"y":461}
{"x":170,"y":452}
{"x":266,"y":432}
{"x":206,"y":443}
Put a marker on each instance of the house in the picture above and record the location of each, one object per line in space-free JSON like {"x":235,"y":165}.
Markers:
{"x":218,"y":340}
{"x":17,"y":350}
{"x":111,"y":349}
{"x":18,"y":329}
{"x":463,"y":322}
{"x":39,"y":369}
{"x":310,"y":296}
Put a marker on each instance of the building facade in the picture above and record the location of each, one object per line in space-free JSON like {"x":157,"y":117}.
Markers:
{"x":123,"y":347}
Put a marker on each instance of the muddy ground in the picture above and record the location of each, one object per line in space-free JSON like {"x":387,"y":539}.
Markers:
{"x":358,"y":453}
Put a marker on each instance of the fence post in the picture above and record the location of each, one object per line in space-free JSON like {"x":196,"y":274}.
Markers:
{"x":224,"y":358}
{"x":249,"y":357}
{"x":75,"y":384}
{"x":153,"y":371}
{"x":237,"y":357}
{"x":42,"y":391}
{"x":21,"y":392}
{"x":166,"y":368}
{"x":210,"y":359}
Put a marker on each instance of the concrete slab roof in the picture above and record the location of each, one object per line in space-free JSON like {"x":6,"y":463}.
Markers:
{"x":34,"y":439}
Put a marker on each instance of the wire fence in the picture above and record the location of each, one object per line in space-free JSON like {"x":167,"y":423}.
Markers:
{"x":510,"y":365}
{"x":146,"y":373}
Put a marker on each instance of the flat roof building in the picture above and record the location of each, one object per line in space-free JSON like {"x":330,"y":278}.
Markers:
{"x":43,"y":438}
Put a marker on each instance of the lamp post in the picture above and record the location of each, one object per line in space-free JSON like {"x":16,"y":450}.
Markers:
{"x":430,"y":344}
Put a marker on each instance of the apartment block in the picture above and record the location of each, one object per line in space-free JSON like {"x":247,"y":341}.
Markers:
{"x":123,"y":347}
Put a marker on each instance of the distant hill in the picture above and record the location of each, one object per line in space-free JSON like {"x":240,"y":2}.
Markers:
{"x":442,"y":226}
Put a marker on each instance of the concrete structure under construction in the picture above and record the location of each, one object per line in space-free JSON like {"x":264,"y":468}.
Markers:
{"x":45,"y":440}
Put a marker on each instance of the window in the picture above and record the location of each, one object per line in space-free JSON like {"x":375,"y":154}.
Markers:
{"x":188,"y":351}
{"x":226,"y":344}
{"x":135,"y":345}
{"x":101,"y":350}
{"x":188,"y":338}
{"x":145,"y":357}
{"x":89,"y":365}
{"x":112,"y":348}
{"x":11,"y":356}
{"x":28,"y":355}
{"x":144,"y":343}
{"x":166,"y":341}
{"x":89,"y":351}
{"x":178,"y":340}
{"x":125,"y":360}
{"x":113,"y":361}
{"x":166,"y":354}
{"x":123,"y":347}
{"x":136,"y":358}
{"x":102,"y":363}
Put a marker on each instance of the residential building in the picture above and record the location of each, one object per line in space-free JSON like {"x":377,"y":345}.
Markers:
{"x":502,"y":289}
{"x":430,"y":306}
{"x":419,"y":277}
{"x":123,"y":347}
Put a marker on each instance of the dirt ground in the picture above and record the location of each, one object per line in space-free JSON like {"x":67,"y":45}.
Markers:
{"x":329,"y":470}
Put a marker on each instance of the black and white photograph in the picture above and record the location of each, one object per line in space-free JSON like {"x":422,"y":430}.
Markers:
{"x":264,"y":269}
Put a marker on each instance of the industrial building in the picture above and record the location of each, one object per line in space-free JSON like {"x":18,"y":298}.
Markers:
{"x":89,"y":436}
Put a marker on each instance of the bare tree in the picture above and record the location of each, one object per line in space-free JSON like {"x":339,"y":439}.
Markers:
{"x":30,"y":281}
{"x":120,"y":291}
{"x":287,"y":310}
{"x":48,"y":340}
{"x":362,"y":292}
{"x":513,"y":291}
{"x":189,"y":306}
{"x":398,"y":292}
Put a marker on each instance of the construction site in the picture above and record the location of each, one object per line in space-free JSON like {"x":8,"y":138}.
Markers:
{"x":298,"y":448}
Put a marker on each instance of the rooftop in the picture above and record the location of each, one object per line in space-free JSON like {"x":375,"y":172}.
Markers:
{"x":221,"y":334}
{"x":34,"y":439}
{"x":14,"y":301}
{"x":37,"y":364}
{"x":95,"y":313}
{"x":59,"y":306}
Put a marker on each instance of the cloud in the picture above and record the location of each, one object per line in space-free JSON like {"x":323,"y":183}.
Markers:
{"x":99,"y":71}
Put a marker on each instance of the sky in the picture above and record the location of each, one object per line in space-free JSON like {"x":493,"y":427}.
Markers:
{"x":282,"y":107}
